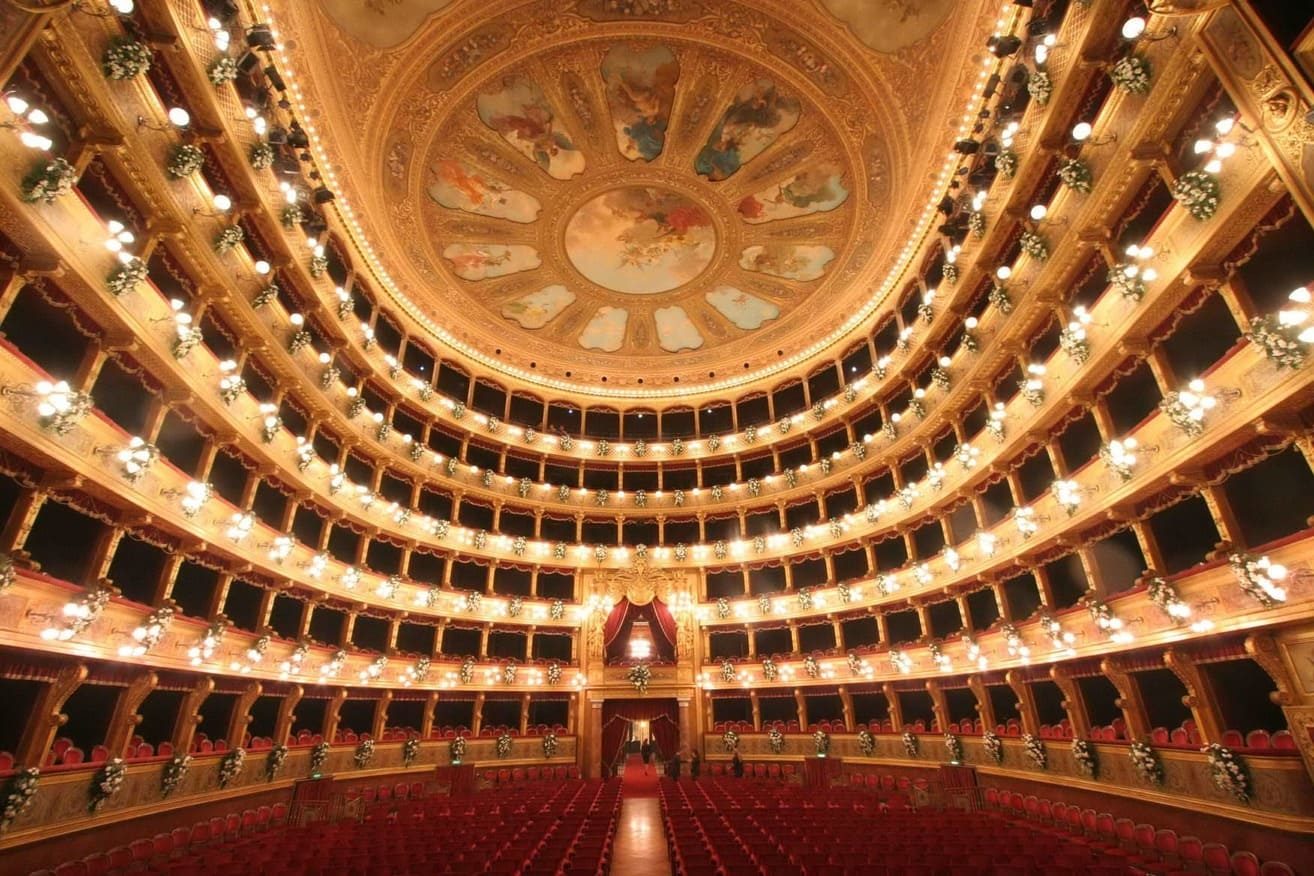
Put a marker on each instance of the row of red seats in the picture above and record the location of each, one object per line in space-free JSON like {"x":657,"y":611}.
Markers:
{"x":1141,"y":847}
{"x":728,"y":828}
{"x":507,"y":776}
{"x":155,"y":854}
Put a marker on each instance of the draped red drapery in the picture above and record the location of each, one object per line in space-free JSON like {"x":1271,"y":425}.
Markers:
{"x":616,"y":630}
{"x":663,"y":720}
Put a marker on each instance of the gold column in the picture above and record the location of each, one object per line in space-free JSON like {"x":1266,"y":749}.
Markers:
{"x":45,"y":719}
{"x":1026,"y":702}
{"x":125,"y":719}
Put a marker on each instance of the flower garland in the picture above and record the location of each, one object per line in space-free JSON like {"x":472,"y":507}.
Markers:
{"x":1199,"y":193}
{"x":999,"y":297}
{"x":126,"y":277}
{"x":318,"y":757}
{"x":231,"y":766}
{"x":866,"y":742}
{"x":410,"y":749}
{"x":1006,"y":163}
{"x":821,"y":739}
{"x":174,"y":772}
{"x":274,"y":761}
{"x":1229,"y":773}
{"x":1132,"y":74}
{"x":8,"y":575}
{"x":125,"y":58}
{"x":48,"y":180}
{"x":1035,"y":750}
{"x":729,"y":741}
{"x":911,"y":744}
{"x":1279,"y":341}
{"x":456,"y":749}
{"x":1084,"y":756}
{"x":976,"y":222}
{"x":554,"y":673}
{"x":291,"y":216}
{"x":364,"y":753}
{"x":994,"y":746}
{"x":550,"y":745}
{"x":949,"y":273}
{"x":107,"y":782}
{"x":1040,"y":87}
{"x":639,"y":676}
{"x":503,"y":745}
{"x":1076,"y":175}
{"x":184,"y":160}
{"x":1146,"y":763}
{"x":1034,"y":245}
{"x":728,"y":671}
{"x":810,"y":666}
{"x":954,"y":747}
{"x":261,"y":156}
{"x":19,"y":795}
{"x":776,"y":740}
{"x":222,"y":69}
{"x":466,"y":672}
{"x":1128,"y":282}
{"x":229,"y":238}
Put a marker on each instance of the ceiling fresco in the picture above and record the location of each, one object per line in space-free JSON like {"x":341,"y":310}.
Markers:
{"x":640,"y":189}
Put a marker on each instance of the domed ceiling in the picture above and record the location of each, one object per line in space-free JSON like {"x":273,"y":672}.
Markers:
{"x":636,"y":197}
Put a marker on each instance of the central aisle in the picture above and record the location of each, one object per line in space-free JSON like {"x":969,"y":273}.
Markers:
{"x":640,"y":848}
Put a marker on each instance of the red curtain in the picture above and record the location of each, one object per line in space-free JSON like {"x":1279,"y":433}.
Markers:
{"x":665,"y":621}
{"x":615,"y":621}
{"x":663,"y":719}
{"x":615,"y":632}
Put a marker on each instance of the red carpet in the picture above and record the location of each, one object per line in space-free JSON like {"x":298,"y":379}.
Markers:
{"x":634,"y":783}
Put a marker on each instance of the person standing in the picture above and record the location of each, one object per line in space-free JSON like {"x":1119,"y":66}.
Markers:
{"x":695,"y":764}
{"x":675,"y":765}
{"x":645,"y":751}
{"x":737,"y":766}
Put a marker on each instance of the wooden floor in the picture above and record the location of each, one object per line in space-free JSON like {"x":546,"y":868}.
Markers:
{"x":640,"y":848}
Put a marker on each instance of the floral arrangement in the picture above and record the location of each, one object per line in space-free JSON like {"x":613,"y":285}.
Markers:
{"x":107,"y":782}
{"x":976,"y":222}
{"x":954,"y":747}
{"x":48,"y":180}
{"x":639,"y":676}
{"x":1034,"y":245}
{"x":994,"y":746}
{"x":174,"y":772}
{"x":557,"y":610}
{"x":1229,"y":774}
{"x":509,"y":673}
{"x":722,"y":608}
{"x":126,"y":277}
{"x":911,"y":744}
{"x":1132,"y":74}
{"x":1128,"y":283}
{"x":318,"y":757}
{"x":1199,"y":193}
{"x":410,"y":749}
{"x":229,"y":238}
{"x":770,"y":671}
{"x":1084,"y":756}
{"x":729,"y":740}
{"x":1146,"y":763}
{"x":318,"y":266}
{"x":274,"y":761}
{"x":728,"y":671}
{"x":230,"y":767}
{"x":261,"y":156}
{"x":949,"y":273}
{"x":125,"y":59}
{"x":456,"y":749}
{"x":1006,"y":163}
{"x":821,"y":739}
{"x":810,"y":666}
{"x":776,"y":740}
{"x":8,"y":575}
{"x":855,"y":662}
{"x":1073,"y":342}
{"x":19,"y":795}
{"x":222,"y":69}
{"x":1257,"y":578}
{"x":1035,"y":750}
{"x":999,"y":297}
{"x":184,"y":160}
{"x":866,"y":742}
{"x":1279,"y":341}
{"x":1075,"y":174}
{"x":805,"y":598}
{"x":550,"y":745}
{"x":364,"y":752}
{"x":1040,"y":87}
{"x":291,"y":216}
{"x":503,"y":745}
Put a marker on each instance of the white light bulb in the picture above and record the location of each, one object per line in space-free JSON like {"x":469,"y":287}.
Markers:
{"x":179,"y":117}
{"x":1133,"y":27}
